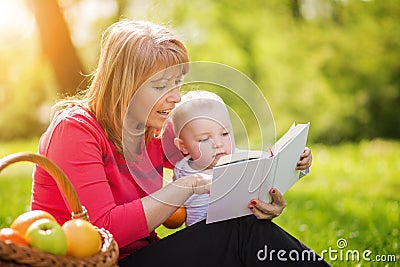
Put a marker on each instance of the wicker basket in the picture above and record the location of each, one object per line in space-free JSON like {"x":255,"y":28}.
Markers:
{"x":15,"y":255}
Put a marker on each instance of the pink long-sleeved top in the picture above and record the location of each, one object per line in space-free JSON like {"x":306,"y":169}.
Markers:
{"x":76,"y":143}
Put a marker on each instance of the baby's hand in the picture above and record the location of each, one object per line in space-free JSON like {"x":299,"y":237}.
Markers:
{"x":305,"y":160}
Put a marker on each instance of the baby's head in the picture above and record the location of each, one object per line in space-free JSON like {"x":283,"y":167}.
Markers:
{"x":203,"y":128}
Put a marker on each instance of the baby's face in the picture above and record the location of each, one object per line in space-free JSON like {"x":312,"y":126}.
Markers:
{"x":206,"y":140}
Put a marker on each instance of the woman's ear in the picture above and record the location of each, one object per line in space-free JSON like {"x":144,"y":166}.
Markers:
{"x":180,"y":145}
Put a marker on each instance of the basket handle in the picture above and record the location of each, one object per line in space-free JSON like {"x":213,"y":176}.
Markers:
{"x":78,"y":211}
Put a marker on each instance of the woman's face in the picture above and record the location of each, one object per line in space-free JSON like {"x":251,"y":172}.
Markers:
{"x":156,"y":98}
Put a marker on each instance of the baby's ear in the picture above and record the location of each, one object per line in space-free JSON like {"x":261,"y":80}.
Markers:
{"x":180,"y":145}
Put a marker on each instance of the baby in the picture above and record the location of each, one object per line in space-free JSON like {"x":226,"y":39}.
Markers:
{"x":204,"y":133}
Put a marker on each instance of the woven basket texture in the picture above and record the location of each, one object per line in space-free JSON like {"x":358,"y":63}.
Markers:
{"x":15,"y":255}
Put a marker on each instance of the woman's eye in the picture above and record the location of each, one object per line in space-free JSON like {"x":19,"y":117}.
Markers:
{"x":160,"y":87}
{"x":178,"y":82}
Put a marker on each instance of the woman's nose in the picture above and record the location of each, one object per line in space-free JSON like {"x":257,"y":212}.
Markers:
{"x":174,"y":95}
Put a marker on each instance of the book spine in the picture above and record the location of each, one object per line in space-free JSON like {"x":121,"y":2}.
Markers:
{"x":270,"y":165}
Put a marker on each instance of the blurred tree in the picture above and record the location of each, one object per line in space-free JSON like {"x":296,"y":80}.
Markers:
{"x":296,"y":12}
{"x":57,"y":46}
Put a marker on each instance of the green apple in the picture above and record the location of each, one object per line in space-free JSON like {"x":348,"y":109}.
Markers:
{"x":48,"y":236}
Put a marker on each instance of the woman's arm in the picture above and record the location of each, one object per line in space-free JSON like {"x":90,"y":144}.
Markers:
{"x":161,"y":204}
{"x":82,"y":152}
{"x":104,"y":184}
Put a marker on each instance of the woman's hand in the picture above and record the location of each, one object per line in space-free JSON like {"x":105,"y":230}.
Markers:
{"x":305,"y":160}
{"x":265,"y":211}
{"x":201,"y":183}
{"x":161,"y":204}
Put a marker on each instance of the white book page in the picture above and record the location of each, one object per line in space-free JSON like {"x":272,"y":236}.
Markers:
{"x":241,"y":155}
{"x":233,"y":187}
{"x":268,"y":182}
{"x":288,"y":136}
{"x":286,"y":174}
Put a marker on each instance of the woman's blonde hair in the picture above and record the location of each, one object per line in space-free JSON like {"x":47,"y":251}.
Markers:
{"x":131,"y":52}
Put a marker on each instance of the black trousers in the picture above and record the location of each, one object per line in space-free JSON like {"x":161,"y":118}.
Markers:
{"x":244,"y":241}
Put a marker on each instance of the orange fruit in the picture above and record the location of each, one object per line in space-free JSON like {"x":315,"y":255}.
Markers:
{"x":23,"y":221}
{"x":10,"y":235}
{"x":176,"y":219}
{"x":83,"y":240}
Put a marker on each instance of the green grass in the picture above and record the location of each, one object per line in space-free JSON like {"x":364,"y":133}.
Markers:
{"x":15,"y":181}
{"x":351,"y":193}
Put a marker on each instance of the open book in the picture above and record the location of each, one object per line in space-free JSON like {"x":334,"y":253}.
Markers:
{"x":250,"y":174}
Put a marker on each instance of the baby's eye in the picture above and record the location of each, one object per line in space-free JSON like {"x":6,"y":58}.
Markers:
{"x":225,"y":133}
{"x":205,"y":139}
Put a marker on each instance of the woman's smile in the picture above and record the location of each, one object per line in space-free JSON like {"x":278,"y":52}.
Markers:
{"x":164,"y":113}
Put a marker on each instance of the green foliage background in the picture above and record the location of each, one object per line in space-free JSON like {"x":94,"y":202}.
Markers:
{"x":334,"y":63}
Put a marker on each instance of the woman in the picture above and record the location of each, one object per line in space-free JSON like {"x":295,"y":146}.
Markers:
{"x":120,"y":182}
